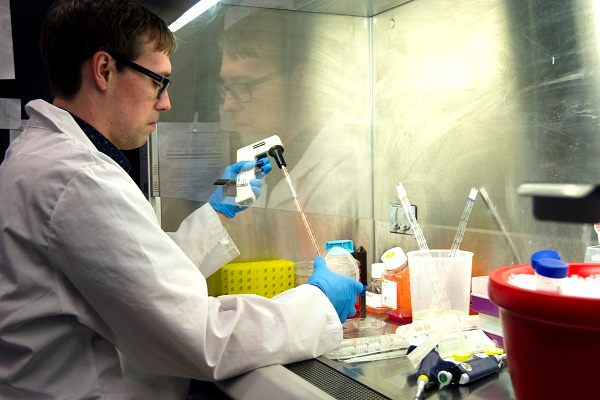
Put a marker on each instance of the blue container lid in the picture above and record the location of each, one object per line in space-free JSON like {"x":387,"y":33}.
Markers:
{"x":344,"y":243}
{"x":552,"y":268}
{"x":543,"y":254}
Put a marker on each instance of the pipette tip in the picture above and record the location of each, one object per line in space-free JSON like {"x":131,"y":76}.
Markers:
{"x":422,"y":380}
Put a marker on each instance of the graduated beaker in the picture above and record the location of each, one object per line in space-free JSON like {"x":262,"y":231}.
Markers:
{"x":454,"y":278}
{"x":592,"y":254}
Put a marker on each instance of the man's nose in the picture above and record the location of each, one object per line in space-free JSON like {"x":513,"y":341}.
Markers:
{"x":164,"y":104}
{"x":230,"y":104}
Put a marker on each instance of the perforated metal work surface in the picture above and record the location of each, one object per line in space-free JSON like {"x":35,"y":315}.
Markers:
{"x":333,"y":382}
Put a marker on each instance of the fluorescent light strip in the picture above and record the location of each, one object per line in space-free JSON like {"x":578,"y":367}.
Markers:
{"x":192,"y":13}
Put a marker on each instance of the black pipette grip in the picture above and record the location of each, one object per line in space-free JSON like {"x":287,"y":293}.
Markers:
{"x":277,"y":153}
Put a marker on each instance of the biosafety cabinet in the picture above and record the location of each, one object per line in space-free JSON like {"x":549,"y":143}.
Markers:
{"x":440,"y":95}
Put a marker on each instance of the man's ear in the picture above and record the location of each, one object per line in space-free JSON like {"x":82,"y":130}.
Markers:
{"x":102,"y":69}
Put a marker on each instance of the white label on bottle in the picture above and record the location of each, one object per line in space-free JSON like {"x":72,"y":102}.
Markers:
{"x":373,"y":300}
{"x":545,"y":284}
{"x":389,"y":294}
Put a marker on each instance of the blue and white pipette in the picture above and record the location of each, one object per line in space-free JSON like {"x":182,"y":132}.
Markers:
{"x":471,"y":370}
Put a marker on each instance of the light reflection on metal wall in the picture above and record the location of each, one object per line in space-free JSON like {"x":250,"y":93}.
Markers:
{"x":489,"y":94}
{"x":466,"y":93}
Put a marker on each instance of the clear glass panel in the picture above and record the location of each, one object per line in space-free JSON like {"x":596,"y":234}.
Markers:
{"x":309,"y":85}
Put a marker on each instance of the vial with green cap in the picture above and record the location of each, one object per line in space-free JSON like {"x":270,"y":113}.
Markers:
{"x":550,"y":274}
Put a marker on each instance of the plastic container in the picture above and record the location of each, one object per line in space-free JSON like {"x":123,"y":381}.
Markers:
{"x":548,"y":335}
{"x":346,"y":244}
{"x":395,"y":285}
{"x":341,"y":261}
{"x":265,"y":278}
{"x":361,"y":327}
{"x":373,"y":291}
{"x":592,"y":254}
{"x":338,"y":260}
{"x":457,"y":285}
{"x":550,"y":274}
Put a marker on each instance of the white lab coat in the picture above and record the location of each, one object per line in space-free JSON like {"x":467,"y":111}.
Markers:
{"x":97,"y":302}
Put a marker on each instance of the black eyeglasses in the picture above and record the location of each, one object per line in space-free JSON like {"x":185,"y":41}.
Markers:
{"x":242,"y":92}
{"x":166,"y":82}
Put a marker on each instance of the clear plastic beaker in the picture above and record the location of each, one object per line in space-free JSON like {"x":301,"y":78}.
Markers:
{"x":592,"y":254}
{"x":454,"y":276}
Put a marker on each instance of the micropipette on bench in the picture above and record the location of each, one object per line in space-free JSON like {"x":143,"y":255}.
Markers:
{"x":471,"y":370}
{"x":428,"y":370}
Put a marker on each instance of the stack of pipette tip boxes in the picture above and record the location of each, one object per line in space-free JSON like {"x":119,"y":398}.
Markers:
{"x":489,"y":316}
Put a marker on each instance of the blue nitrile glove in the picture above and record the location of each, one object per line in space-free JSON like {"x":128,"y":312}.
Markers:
{"x":341,"y":290}
{"x":226,"y":205}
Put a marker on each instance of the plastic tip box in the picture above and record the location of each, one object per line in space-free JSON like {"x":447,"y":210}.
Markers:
{"x":264,"y":278}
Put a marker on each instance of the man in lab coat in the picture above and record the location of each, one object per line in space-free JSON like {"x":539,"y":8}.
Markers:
{"x":96,"y":301}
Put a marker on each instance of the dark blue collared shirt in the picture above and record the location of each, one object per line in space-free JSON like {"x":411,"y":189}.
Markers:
{"x":103,"y":144}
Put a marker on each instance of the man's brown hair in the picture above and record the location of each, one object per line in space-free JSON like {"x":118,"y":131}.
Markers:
{"x":74,"y":30}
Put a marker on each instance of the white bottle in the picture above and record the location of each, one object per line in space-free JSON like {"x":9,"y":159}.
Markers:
{"x":373,"y":291}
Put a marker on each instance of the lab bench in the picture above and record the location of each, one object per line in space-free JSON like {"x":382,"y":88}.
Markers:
{"x":323,"y":378}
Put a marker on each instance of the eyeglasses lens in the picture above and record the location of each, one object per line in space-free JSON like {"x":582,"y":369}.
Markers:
{"x":163,"y":89}
{"x":239,"y":92}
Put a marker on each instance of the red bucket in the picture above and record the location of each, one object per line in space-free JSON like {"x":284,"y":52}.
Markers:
{"x":552,"y":341}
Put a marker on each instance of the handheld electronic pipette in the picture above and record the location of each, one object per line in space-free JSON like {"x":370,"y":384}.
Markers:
{"x":244,"y":195}
{"x":271,"y":146}
{"x":471,"y":370}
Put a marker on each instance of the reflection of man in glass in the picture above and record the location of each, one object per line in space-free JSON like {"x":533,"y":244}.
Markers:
{"x":267,"y":90}
{"x":256,"y":97}
{"x":261,"y":76}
